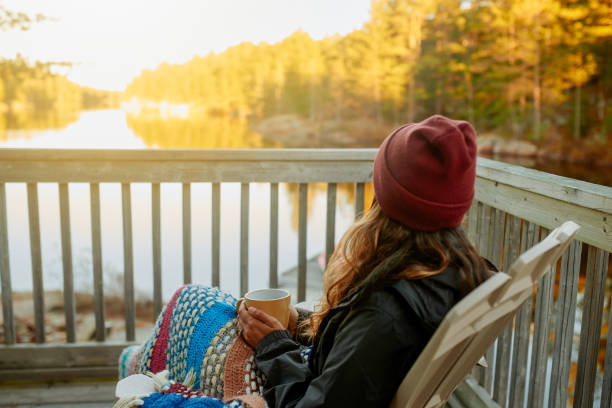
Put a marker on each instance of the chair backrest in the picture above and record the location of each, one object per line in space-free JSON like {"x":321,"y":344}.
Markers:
{"x":470,"y":328}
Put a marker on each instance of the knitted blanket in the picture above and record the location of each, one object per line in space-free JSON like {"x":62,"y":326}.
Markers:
{"x":196,"y":340}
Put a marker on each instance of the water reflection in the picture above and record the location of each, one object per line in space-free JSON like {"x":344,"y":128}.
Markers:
{"x":20,"y":123}
{"x":195,"y":131}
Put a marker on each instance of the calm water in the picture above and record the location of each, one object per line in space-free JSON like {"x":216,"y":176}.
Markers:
{"x":114,"y":129}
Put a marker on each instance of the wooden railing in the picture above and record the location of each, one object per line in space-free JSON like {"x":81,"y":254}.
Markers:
{"x":513,"y":209}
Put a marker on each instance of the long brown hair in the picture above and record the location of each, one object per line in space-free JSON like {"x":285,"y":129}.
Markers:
{"x":378,"y":249}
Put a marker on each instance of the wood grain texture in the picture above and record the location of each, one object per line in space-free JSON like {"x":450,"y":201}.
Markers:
{"x":244,"y":238}
{"x":59,"y":361}
{"x":504,"y":343}
{"x":359,"y":197}
{"x":564,"y":326}
{"x":596,"y":225}
{"x":520,"y":348}
{"x":128,"y":262}
{"x":37,"y":271}
{"x":302,"y":236}
{"x":186,"y":233}
{"x":330,"y":221}
{"x":5,"y":274}
{"x":69,"y":302}
{"x":606,"y":386}
{"x":216,"y":233}
{"x":156,"y":244}
{"x":273,"y":273}
{"x":96,"y":256}
{"x":590,"y":333}
{"x":539,"y":354}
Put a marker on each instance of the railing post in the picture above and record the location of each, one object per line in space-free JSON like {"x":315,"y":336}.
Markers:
{"x":273,"y":278}
{"x":244,"y":238}
{"x":330,"y":223}
{"x":216,"y":233}
{"x":520,"y":349}
{"x":186,"y":233}
{"x":302,"y":235}
{"x":541,"y":332}
{"x":96,"y":249}
{"x":564,"y":327}
{"x":502,"y":362}
{"x":156,"y":237}
{"x":69,"y":307}
{"x":359,"y":196}
{"x":5,"y":274}
{"x":128,"y":262}
{"x":590,"y":333}
{"x":36,"y":255}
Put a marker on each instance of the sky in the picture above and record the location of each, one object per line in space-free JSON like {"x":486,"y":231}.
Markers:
{"x":111,"y":41}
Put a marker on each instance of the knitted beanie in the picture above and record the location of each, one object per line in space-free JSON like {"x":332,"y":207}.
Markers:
{"x":424,"y":173}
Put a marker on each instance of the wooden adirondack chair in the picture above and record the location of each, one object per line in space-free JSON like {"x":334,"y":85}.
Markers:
{"x":470,"y":328}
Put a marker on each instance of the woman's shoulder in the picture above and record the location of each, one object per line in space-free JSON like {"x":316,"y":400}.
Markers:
{"x":428,"y":299}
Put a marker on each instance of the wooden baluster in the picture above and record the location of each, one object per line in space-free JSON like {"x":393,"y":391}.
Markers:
{"x":473,"y":222}
{"x":590,"y":332}
{"x":244,"y":238}
{"x":303,"y":204}
{"x":493,"y":254}
{"x":520,"y":350}
{"x":481,"y":237}
{"x":69,"y":306}
{"x":483,"y":230}
{"x":502,"y":362}
{"x":216,"y":233}
{"x":359,"y":196}
{"x":156,"y":237}
{"x":128,"y":263}
{"x":37,"y":273}
{"x":564,"y":327}
{"x":96,"y":256}
{"x":5,"y":274}
{"x":273,"y":278}
{"x":330,"y":224}
{"x":539,"y":352}
{"x":606,"y":386}
{"x":186,"y":233}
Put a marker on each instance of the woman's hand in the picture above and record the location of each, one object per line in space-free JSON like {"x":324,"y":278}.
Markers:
{"x":256,"y":324}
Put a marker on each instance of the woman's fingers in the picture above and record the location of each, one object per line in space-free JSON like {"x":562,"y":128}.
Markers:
{"x":255,"y":324}
{"x":267,"y":319}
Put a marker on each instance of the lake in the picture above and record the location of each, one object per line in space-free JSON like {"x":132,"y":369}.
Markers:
{"x":114,"y":129}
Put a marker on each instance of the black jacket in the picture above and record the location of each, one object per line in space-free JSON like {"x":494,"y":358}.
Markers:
{"x":363,"y":349}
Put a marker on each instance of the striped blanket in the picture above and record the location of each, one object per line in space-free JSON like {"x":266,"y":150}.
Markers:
{"x":196,"y":341}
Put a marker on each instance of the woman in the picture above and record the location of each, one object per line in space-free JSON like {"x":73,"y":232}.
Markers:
{"x":394,"y":276}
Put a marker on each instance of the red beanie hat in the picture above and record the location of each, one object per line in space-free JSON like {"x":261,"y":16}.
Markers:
{"x":424,"y":173}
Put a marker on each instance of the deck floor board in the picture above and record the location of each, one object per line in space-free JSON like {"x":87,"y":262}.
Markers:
{"x":58,"y":394}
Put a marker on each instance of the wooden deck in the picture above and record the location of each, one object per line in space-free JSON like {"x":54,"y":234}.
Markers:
{"x":100,"y":394}
{"x":95,"y":394}
{"x":513,"y":209}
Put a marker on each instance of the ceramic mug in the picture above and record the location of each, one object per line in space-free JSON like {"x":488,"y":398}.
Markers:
{"x":275,"y":302}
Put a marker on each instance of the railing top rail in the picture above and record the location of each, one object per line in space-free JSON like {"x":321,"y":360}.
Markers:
{"x":562,"y":188}
{"x":566,"y":189}
{"x":17,"y":154}
{"x":539,"y":197}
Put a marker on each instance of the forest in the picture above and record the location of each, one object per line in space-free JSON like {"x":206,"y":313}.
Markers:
{"x":536,"y":70}
{"x":32,"y":95}
{"x":539,"y":70}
